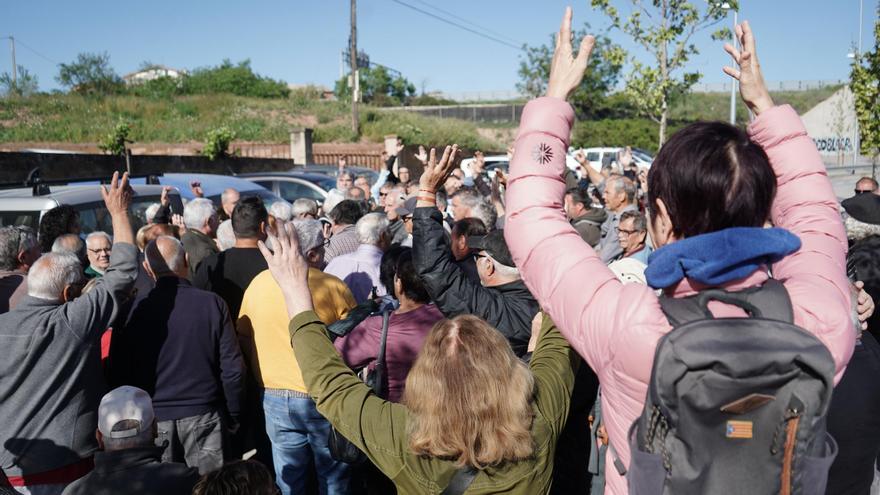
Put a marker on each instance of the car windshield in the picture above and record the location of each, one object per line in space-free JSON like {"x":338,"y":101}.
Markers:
{"x":27,"y":218}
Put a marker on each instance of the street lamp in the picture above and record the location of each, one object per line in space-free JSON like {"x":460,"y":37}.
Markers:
{"x":728,"y":7}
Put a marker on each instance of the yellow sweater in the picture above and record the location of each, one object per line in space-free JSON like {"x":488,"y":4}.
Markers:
{"x":263,"y":326}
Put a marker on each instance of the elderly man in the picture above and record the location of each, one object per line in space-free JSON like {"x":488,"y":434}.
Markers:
{"x":394,"y":200}
{"x":281,"y":210}
{"x":129,"y":461}
{"x":632,"y":233}
{"x":51,"y":367}
{"x":228,"y":199}
{"x":405,"y":213}
{"x":344,"y":182}
{"x":462,"y":230}
{"x":71,"y":244}
{"x":343,"y":239}
{"x":585,"y":219}
{"x":98,"y":249}
{"x":201,"y":223}
{"x":303,"y":209}
{"x":467,"y":203}
{"x":297,"y":431}
{"x":363,"y":183}
{"x":619,"y":195}
{"x":229,"y":273}
{"x":18,"y":252}
{"x":179,"y":346}
{"x":360,"y":269}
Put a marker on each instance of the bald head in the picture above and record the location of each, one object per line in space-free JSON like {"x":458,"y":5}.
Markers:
{"x":165,"y":257}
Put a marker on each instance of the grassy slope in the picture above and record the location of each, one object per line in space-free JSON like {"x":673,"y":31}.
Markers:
{"x":72,"y":118}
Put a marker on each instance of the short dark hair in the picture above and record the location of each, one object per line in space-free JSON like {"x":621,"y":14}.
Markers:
{"x":388,"y":266}
{"x":469,"y":226}
{"x":712,"y":176}
{"x":347,"y":212}
{"x":581,"y":196}
{"x":237,"y":478}
{"x":410,"y":282}
{"x":55,"y":223}
{"x":247,"y":216}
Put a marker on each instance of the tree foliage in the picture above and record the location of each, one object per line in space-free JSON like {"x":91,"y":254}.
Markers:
{"x":603,"y":73}
{"x":378,"y":87}
{"x":664,"y":29}
{"x":217,"y":143}
{"x":25,"y":83}
{"x":227,"y":78}
{"x":865,"y":82}
{"x":114,"y":142}
{"x":90,"y":74}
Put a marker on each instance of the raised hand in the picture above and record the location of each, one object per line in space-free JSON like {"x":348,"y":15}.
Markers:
{"x":196,"y":188}
{"x":118,"y":197}
{"x":752,"y":87}
{"x":566,"y":69}
{"x":288,"y":267}
{"x":163,"y":199}
{"x":435,"y":172}
{"x":422,"y":155}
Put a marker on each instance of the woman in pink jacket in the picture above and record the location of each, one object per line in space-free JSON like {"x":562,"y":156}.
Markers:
{"x":709,"y":177}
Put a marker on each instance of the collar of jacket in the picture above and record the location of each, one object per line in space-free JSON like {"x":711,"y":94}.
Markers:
{"x":517,"y":286}
{"x":120,"y":460}
{"x":172,"y":281}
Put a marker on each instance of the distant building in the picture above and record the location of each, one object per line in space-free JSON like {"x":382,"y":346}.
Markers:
{"x":832,"y":124}
{"x":150,"y":73}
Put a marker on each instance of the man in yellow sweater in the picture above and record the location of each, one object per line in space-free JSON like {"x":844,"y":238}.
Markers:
{"x":297,"y":431}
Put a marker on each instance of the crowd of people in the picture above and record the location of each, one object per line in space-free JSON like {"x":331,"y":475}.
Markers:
{"x":462,"y":333}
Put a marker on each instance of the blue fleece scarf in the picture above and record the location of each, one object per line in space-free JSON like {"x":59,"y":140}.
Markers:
{"x":719,"y":257}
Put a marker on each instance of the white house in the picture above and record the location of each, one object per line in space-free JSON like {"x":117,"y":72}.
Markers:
{"x":150,"y":73}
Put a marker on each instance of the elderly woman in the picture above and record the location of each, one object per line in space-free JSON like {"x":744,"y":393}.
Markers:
{"x":472,"y":414}
{"x":708,"y":179}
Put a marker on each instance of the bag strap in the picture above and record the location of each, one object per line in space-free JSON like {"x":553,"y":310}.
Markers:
{"x":769,"y":301}
{"x":461,"y":481}
{"x":379,"y":369}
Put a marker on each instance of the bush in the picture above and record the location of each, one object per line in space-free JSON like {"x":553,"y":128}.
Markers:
{"x":114,"y":142}
{"x":415,"y":128}
{"x":217,"y":143}
{"x":638,"y":133}
{"x":237,"y":79}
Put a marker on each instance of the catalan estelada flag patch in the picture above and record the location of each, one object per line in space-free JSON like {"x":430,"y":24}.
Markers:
{"x":739,"y":429}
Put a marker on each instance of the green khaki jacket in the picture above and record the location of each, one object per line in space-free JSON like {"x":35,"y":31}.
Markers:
{"x":378,"y":427}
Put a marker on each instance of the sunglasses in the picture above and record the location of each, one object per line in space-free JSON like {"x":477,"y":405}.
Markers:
{"x":863,"y":191}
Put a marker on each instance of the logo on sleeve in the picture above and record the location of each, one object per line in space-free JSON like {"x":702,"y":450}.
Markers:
{"x":542,"y":153}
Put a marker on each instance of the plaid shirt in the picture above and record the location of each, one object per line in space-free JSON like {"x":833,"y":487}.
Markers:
{"x":343,"y":242}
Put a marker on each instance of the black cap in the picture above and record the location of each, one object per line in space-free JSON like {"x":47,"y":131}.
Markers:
{"x":864,"y":207}
{"x":494,"y":244}
{"x":409,"y":206}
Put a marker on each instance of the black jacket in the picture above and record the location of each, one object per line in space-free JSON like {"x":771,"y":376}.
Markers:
{"x":510,"y":307}
{"x":137,"y":471}
{"x":198,"y":246}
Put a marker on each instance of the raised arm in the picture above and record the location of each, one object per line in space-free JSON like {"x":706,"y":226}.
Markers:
{"x":805,"y":205}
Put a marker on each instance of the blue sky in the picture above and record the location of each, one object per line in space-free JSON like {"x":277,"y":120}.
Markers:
{"x":300,"y":41}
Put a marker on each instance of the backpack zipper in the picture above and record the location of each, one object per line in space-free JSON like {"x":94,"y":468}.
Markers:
{"x":792,"y":418}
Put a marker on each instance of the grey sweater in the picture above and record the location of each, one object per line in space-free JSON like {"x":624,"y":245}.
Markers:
{"x":51,"y":380}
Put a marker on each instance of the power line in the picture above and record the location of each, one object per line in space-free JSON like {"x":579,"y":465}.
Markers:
{"x":465,"y":28}
{"x":35,"y":52}
{"x":477,"y":26}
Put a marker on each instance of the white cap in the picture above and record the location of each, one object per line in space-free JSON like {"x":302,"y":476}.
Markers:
{"x":125,"y":403}
{"x":629,"y":271}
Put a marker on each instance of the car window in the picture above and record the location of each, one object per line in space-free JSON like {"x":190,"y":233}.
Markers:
{"x":27,"y":218}
{"x":265,"y":183}
{"x":593,"y":156}
{"x":94,"y":216}
{"x":292,"y":191}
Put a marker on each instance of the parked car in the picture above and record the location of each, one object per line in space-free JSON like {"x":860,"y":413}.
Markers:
{"x":502,"y":162}
{"x":213,"y":186}
{"x":291,"y":186}
{"x":20,"y":206}
{"x":598,"y":156}
{"x":333,"y":171}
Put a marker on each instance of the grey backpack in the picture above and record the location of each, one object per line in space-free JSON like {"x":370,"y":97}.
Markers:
{"x":734,"y":405}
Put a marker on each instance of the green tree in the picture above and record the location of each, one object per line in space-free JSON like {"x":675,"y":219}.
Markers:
{"x":664,"y":28}
{"x":217,"y":143}
{"x":865,"y":83}
{"x":238,"y":79}
{"x":25,"y":83}
{"x":90,"y":73}
{"x":114,"y":142}
{"x":589,"y":100}
{"x":378,"y":86}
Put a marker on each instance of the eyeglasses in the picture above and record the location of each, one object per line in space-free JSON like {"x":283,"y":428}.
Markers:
{"x":101,"y":250}
{"x":863,"y":191}
{"x":382,"y":195}
{"x":628,"y":232}
{"x":408,"y":219}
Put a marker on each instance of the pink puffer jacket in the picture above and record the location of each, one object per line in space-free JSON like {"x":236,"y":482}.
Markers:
{"x":616,"y":327}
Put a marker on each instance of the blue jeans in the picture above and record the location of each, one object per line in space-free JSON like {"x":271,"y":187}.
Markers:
{"x":299,"y":436}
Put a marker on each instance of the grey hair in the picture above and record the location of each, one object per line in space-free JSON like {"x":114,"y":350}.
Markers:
{"x":224,"y":196}
{"x":626,"y":185}
{"x":52,"y":273}
{"x":310,"y":234}
{"x":198,"y":212}
{"x":14,"y":240}
{"x":99,"y":233}
{"x":282,"y":210}
{"x":158,"y":263}
{"x":225,"y":235}
{"x":145,"y":438}
{"x":371,"y":227}
{"x":485,"y":213}
{"x":468,"y":197}
{"x":304,"y":206}
{"x":640,"y":222}
{"x":61,"y":247}
{"x":150,"y":212}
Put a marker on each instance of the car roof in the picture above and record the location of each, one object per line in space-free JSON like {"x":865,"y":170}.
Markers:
{"x":22,"y":198}
{"x":297,"y":175}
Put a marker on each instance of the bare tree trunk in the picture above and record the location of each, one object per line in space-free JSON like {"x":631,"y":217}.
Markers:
{"x":663,"y":118}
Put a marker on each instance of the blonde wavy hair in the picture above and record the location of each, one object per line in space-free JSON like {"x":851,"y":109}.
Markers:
{"x":469,"y":397}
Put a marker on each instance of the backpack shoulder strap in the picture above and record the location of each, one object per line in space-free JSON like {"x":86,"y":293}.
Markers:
{"x":769,"y":301}
{"x":460,"y":481}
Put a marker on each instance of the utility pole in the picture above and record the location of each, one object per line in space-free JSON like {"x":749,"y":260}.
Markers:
{"x":14,"y":68}
{"x":858,"y":60}
{"x":352,"y":57}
